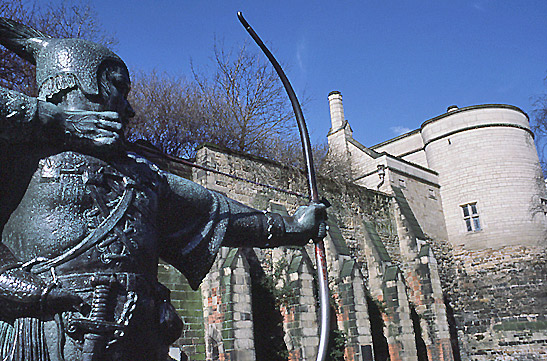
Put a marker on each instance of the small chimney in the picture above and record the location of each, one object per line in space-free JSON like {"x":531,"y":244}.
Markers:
{"x":336,"y":110}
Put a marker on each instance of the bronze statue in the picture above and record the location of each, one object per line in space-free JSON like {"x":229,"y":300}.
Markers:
{"x":85,"y":220}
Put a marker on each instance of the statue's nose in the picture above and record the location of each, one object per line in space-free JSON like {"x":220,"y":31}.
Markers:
{"x":129,"y":111}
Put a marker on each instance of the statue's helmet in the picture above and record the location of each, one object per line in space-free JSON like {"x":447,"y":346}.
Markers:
{"x":66,"y":63}
{"x":60,"y":63}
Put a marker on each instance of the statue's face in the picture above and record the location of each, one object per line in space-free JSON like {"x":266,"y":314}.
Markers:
{"x":115,"y":86}
{"x":98,"y":133}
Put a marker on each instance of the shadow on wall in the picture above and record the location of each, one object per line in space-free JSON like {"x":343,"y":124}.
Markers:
{"x":379,"y":341}
{"x":267,"y":319}
{"x":453,"y":330}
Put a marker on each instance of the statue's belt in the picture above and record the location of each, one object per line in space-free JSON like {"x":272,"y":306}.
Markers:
{"x":94,"y":237}
{"x":144,"y":285}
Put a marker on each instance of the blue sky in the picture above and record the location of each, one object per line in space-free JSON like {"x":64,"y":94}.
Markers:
{"x":397,"y":63}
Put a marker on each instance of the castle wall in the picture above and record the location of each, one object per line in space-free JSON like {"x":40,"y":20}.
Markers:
{"x":424,"y":200}
{"x":447,"y":302}
{"x":189,"y":306}
{"x":364,"y":167}
{"x":486,"y":156}
{"x":497,"y":300}
{"x":420,"y":186}
{"x":492,"y":279}
{"x":227,"y":310}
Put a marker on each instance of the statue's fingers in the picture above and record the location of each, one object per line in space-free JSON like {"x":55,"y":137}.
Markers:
{"x":319,"y":207}
{"x":322,"y":231}
{"x":320,"y":211}
{"x":110,"y":115}
{"x":104,"y":137}
{"x":109,"y":125}
{"x":84,"y":113}
{"x":104,"y":140}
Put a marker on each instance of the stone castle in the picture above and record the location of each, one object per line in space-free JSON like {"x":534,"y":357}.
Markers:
{"x":436,"y":250}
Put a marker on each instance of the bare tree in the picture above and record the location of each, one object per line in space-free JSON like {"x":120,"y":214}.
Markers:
{"x":331,"y":164}
{"x":252,"y":96}
{"x":539,"y":127}
{"x":241,"y":106}
{"x":168,"y":114}
{"x":68,"y":19}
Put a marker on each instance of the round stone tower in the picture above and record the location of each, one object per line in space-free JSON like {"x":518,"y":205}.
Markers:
{"x":492,"y":187}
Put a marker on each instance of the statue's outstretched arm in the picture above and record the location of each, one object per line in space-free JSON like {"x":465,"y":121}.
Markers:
{"x":249,"y":227}
{"x":195,"y":222}
{"x":246,"y":226}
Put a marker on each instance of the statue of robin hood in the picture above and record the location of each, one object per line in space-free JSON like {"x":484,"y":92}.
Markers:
{"x":85,"y":220}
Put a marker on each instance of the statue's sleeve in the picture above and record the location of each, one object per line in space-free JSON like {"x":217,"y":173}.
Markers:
{"x":18,"y":116}
{"x":195,"y":222}
{"x":192,"y":225}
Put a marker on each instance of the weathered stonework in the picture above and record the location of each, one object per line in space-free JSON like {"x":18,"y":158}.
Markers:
{"x":401,"y":287}
{"x":359,"y":269}
{"x":486,"y":277}
{"x":189,"y":306}
{"x":227,"y":309}
{"x":499,"y":302}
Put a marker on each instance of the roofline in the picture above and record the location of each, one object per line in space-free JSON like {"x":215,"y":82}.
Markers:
{"x":375,"y":154}
{"x":474,"y":107}
{"x":412,"y":132}
{"x":444,"y":115}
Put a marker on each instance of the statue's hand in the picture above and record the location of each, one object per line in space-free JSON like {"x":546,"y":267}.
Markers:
{"x":311,"y":221}
{"x":99,"y":128}
{"x":58,"y":300}
{"x":24,"y":294}
{"x":82,"y":126}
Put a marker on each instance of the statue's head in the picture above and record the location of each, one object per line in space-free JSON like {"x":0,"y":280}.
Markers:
{"x":71,"y":72}
{"x":94,"y":72}
{"x":69,"y":63}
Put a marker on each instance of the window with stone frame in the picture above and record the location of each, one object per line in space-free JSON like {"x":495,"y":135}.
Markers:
{"x":544,"y":205}
{"x":471,"y":217}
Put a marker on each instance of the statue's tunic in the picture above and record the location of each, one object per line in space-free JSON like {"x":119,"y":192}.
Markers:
{"x":71,"y":196}
{"x":95,"y":225}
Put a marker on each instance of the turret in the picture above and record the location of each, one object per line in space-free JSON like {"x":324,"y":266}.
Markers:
{"x":340,"y":130}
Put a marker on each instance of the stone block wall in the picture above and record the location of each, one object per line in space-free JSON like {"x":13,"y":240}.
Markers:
{"x":345,"y":248}
{"x":189,"y":306}
{"x":485,"y":155}
{"x":423,"y":282}
{"x":423,"y":200}
{"x":499,"y":300}
{"x":300,"y":311}
{"x":489,"y":283}
{"x":352,"y":313}
{"x":227,"y":309}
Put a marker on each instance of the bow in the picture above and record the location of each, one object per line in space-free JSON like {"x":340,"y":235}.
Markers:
{"x":314,"y":195}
